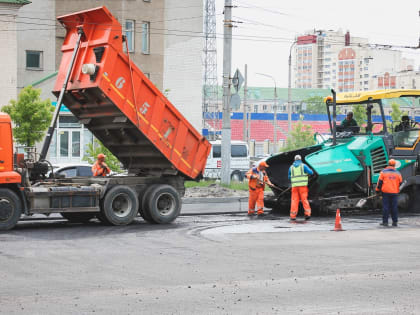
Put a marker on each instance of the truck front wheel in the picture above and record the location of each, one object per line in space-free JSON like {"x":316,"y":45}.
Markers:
{"x":162,"y":204}
{"x":10,"y":209}
{"x":120,"y":205}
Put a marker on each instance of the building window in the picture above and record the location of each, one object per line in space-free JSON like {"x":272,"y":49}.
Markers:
{"x":129,"y":34}
{"x":33,"y":59}
{"x":68,"y":121}
{"x":255,"y":108}
{"x":264,"y":108}
{"x":145,"y":35}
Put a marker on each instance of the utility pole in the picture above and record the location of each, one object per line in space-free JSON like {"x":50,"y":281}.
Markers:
{"x":245,"y":129}
{"x":289,"y":93}
{"x":274,"y":110}
{"x":275,"y":119}
{"x":227,"y":59}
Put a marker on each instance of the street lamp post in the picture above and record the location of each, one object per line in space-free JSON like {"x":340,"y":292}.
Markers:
{"x":275,"y":111}
{"x":289,"y":92}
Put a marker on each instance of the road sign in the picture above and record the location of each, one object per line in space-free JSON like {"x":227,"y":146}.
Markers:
{"x":235,"y":101}
{"x":237,"y":80}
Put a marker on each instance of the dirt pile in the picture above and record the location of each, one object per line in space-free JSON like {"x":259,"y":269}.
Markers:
{"x":217,"y":191}
{"x":213,"y":190}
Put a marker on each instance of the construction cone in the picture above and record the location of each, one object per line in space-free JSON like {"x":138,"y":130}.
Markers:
{"x":338,"y":221}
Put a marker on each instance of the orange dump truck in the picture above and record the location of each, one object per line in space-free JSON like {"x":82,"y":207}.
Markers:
{"x":109,"y":94}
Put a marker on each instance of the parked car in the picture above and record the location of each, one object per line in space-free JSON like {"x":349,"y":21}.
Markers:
{"x":79,"y":170}
{"x":74,"y":171}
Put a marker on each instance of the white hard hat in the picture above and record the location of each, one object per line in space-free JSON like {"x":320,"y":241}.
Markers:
{"x":298,"y":157}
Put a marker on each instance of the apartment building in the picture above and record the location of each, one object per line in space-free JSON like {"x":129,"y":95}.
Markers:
{"x":333,"y":59}
{"x":406,"y":79}
{"x":8,"y":38}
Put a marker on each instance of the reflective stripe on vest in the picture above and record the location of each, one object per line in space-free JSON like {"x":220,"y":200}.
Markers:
{"x":298,"y":176}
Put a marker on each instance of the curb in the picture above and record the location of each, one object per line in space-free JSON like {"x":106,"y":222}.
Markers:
{"x":214,"y":200}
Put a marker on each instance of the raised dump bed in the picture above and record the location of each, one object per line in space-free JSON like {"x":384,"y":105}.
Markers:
{"x":109,"y":94}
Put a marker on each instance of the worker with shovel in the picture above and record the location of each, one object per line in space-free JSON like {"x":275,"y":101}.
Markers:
{"x":298,"y":175}
{"x":257,"y":178}
{"x":389,"y":184}
{"x":100,"y":168}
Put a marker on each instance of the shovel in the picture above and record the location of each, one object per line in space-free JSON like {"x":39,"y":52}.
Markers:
{"x":362,"y":202}
{"x":274,"y":186}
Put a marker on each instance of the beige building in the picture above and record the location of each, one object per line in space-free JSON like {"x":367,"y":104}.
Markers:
{"x":333,"y":59}
{"x":407,"y":79}
{"x":9,"y":45}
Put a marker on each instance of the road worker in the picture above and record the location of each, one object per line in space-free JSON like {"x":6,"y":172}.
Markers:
{"x":349,"y":121}
{"x":404,"y":124}
{"x":257,"y":178}
{"x":100,"y":168}
{"x":389,"y":184}
{"x":298,"y":175}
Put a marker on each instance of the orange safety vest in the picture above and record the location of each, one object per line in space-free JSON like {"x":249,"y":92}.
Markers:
{"x":256,"y":178}
{"x":389,"y":181}
{"x":98,"y":170}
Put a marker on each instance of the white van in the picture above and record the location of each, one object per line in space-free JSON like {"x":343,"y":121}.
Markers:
{"x":239,"y":162}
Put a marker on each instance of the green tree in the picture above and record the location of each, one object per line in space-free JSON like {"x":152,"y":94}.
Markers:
{"x":359,"y":114}
{"x":31,"y":116}
{"x":301,"y":136}
{"x":396,"y":114}
{"x":314,"y":105}
{"x":92,"y":151}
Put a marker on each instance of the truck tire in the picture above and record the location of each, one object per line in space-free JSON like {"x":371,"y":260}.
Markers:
{"x":120,"y":206}
{"x":163,"y":204}
{"x":78,"y":217}
{"x":143,"y":209}
{"x":10,"y":209}
{"x":236,"y":177}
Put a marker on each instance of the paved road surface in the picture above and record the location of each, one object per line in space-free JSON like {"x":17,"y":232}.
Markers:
{"x":220,"y":264}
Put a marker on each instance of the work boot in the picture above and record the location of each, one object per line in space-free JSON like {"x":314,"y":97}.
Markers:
{"x":307,"y":217}
{"x":261,"y":215}
{"x":384,"y":224}
{"x":251,"y":213}
{"x":394,"y":224}
{"x":292,"y":219}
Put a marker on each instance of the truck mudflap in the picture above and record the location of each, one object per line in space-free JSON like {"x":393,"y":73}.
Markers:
{"x":109,"y":94}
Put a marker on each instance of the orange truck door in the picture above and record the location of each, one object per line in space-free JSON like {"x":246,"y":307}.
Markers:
{"x":6,"y":144}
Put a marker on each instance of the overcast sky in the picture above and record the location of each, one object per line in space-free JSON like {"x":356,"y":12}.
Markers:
{"x":275,"y":23}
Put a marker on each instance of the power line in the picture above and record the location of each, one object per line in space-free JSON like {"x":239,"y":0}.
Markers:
{"x":252,"y":6}
{"x":192,"y":34}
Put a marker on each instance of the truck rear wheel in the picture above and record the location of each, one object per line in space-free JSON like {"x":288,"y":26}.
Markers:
{"x":163,"y":204}
{"x":120,"y":206}
{"x":143,"y":209}
{"x":78,"y":217}
{"x":10,"y":209}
